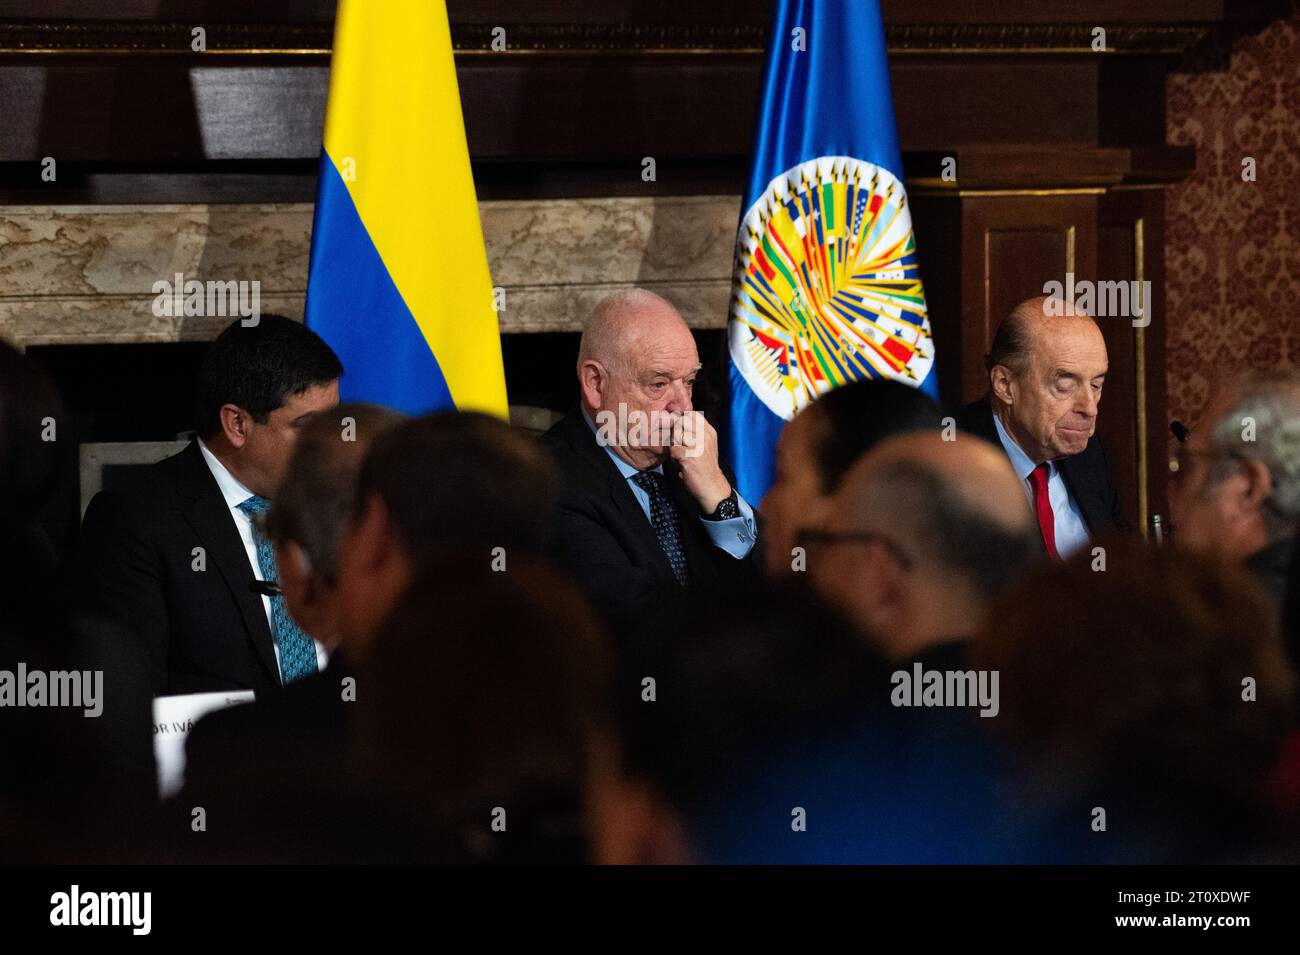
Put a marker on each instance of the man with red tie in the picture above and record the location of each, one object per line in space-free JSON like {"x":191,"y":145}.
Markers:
{"x":1046,"y":370}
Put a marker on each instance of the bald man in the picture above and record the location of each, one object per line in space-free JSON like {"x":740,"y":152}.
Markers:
{"x":922,"y":535}
{"x":648,"y":511}
{"x":1045,"y":373}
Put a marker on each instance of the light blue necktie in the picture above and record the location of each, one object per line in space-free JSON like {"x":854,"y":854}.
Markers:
{"x":297,"y":652}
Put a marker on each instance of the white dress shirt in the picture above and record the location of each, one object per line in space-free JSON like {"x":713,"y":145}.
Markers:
{"x":1071,"y":531}
{"x":235,"y":493}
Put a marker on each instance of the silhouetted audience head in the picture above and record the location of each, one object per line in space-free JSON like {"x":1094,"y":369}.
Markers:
{"x":1291,"y":608}
{"x":817,"y":448}
{"x":477,"y":708}
{"x":763,"y":731}
{"x":1235,"y":486}
{"x":922,"y":534}
{"x":461,"y":483}
{"x":313,"y":506}
{"x":50,"y":795}
{"x":257,"y":386}
{"x":1155,"y":688}
{"x":31,"y":414}
{"x":29,"y":449}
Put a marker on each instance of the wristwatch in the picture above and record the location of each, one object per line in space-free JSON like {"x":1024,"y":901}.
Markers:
{"x":729,"y":508}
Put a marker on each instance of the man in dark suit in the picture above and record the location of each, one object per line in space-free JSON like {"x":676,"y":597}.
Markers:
{"x":1046,"y":370}
{"x":175,"y":554}
{"x":648,"y":510}
{"x":353,"y":533}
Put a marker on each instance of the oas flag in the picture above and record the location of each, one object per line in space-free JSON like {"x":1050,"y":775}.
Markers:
{"x":398,"y":282}
{"x":826,"y":289}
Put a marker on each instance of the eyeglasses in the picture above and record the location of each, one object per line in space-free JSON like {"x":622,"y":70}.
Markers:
{"x":822,"y":538}
{"x":1178,"y":464}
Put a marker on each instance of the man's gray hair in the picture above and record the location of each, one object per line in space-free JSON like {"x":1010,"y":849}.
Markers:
{"x":1268,"y":402}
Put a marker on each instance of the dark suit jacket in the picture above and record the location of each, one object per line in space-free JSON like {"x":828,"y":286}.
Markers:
{"x":299,"y":730}
{"x":603,"y":538}
{"x":202,"y":630}
{"x":1086,"y":474}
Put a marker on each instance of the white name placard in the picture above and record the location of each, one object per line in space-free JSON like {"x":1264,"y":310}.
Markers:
{"x":173,"y":718}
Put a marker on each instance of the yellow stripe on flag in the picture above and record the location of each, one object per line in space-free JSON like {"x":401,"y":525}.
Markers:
{"x":394,"y":120}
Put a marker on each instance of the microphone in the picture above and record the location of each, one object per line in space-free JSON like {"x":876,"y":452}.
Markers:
{"x":1180,"y":431}
{"x":265,"y":588}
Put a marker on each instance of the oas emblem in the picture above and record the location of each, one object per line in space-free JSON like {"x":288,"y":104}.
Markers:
{"x":826,"y":288}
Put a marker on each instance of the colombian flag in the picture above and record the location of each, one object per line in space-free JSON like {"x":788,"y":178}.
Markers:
{"x":398,"y":282}
{"x":826,"y":288}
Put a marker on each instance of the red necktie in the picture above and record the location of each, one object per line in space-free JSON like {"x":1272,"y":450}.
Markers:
{"x":1043,"y":508}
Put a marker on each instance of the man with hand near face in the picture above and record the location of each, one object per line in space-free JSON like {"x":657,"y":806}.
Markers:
{"x":1046,"y":370}
{"x":173,"y":554}
{"x":648,"y":511}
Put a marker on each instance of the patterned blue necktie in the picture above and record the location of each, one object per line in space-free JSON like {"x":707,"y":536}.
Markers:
{"x":297,"y":652}
{"x":663,"y":516}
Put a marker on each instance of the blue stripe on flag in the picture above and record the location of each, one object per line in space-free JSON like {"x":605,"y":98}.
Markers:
{"x":354,"y":305}
{"x":751,"y":438}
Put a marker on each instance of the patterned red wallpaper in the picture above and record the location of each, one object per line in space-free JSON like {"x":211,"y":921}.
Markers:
{"x":1232,"y":246}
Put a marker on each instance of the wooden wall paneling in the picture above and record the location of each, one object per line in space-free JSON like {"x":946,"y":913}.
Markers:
{"x":1118,"y":243}
{"x":1131,"y":245}
{"x":936,"y":222}
{"x":1012,"y":244}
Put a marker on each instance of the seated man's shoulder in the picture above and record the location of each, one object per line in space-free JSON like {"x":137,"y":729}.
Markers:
{"x":563,"y":443}
{"x":559,"y":437}
{"x":146,"y":486}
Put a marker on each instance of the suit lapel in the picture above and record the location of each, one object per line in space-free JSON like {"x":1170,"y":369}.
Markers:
{"x":206,"y":512}
{"x":642,"y":532}
{"x":1077,"y":483}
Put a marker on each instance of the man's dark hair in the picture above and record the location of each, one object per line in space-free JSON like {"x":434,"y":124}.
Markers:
{"x":854,"y":418}
{"x":951,"y":530}
{"x":1011,"y":345}
{"x":314,"y":501}
{"x":258,"y":368}
{"x":460,"y":480}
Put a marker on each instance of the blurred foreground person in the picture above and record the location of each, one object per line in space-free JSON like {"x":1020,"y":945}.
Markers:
{"x":1046,"y":369}
{"x":1145,"y":706}
{"x":768,"y":731}
{"x":1235,"y":486}
{"x":312,"y":511}
{"x":480,"y":485}
{"x":463,"y":736}
{"x":483,"y":692}
{"x":817,"y":448}
{"x":172,"y":554}
{"x":648,"y":512}
{"x":921,"y":537}
{"x":29,"y":465}
{"x":462,"y":483}
{"x":74,"y":695}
